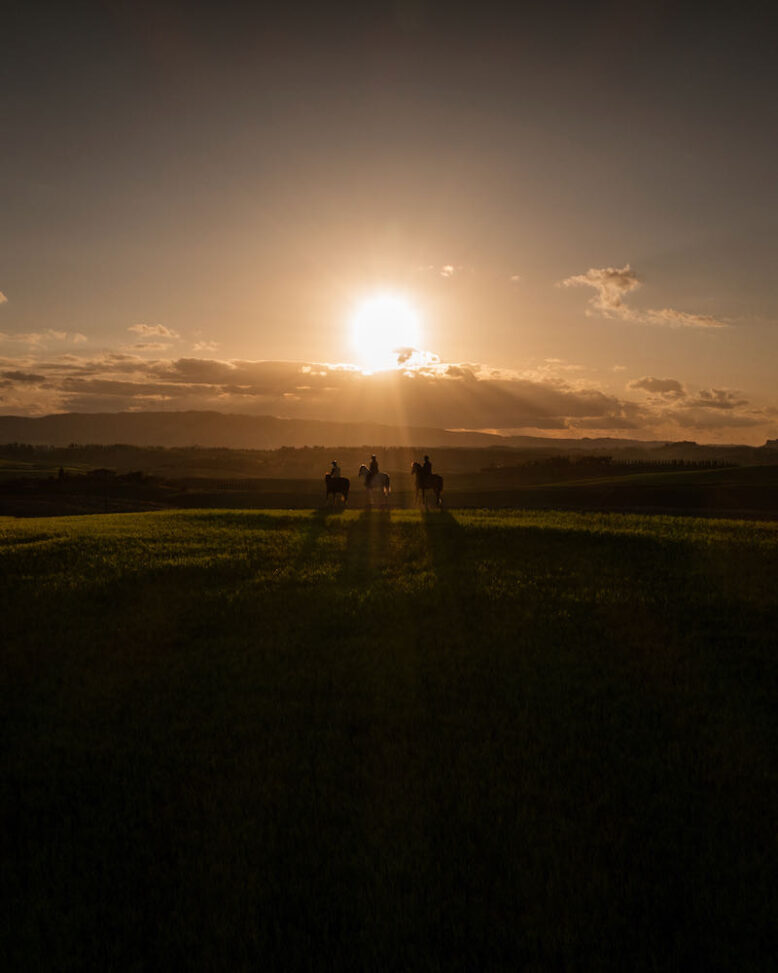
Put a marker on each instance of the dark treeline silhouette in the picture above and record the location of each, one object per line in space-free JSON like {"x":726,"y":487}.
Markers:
{"x":552,"y":468}
{"x":741,"y":491}
{"x":311,"y":462}
{"x":682,"y":477}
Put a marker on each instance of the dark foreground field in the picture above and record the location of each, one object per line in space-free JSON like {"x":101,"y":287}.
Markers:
{"x":389,"y":741}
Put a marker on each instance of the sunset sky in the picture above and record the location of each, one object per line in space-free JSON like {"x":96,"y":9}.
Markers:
{"x":567,"y":214}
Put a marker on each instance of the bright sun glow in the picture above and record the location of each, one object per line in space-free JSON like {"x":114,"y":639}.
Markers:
{"x":383,"y":327}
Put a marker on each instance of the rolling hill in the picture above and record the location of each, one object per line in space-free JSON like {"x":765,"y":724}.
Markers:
{"x":255,"y":432}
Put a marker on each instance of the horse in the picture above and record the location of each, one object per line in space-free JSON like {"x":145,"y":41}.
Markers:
{"x":378,"y":481}
{"x":429,"y":482}
{"x":337,"y":486}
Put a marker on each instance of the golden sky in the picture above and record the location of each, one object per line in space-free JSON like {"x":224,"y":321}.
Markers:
{"x":566,"y":215}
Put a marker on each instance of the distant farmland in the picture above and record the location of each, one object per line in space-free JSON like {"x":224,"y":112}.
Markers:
{"x":746,"y":491}
{"x":458,"y":740}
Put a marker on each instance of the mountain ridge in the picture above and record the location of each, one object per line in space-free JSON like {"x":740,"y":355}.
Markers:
{"x":241,"y":431}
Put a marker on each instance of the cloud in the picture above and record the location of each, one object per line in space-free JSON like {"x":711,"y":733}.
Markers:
{"x":707,"y":409}
{"x":3,"y":298}
{"x":709,"y":422}
{"x":24,"y":338}
{"x":612,"y":284}
{"x":19,"y":376}
{"x":515,"y":279}
{"x":453,"y":395}
{"x":155,"y":330}
{"x":206,"y":346}
{"x":415,"y":357}
{"x":552,"y":370}
{"x":460,"y":371}
{"x":428,"y":393}
{"x":681,"y":319}
{"x":717,"y":399}
{"x":442,"y":270}
{"x":668,"y":388}
{"x":41,"y":337}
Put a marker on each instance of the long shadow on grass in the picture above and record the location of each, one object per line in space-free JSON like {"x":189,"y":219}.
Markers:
{"x":367,"y":547}
{"x":597,"y":733}
{"x":446,"y":539}
{"x":447,"y":547}
{"x":315,"y":526}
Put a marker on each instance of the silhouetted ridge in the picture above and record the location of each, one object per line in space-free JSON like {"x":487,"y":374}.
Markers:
{"x":238,"y":431}
{"x":217,"y":429}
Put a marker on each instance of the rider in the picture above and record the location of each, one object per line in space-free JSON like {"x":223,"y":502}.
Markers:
{"x":335,"y":471}
{"x":426,"y":467}
{"x":372,"y":469}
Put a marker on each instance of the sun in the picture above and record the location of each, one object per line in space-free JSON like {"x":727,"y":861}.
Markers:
{"x":382,"y":327}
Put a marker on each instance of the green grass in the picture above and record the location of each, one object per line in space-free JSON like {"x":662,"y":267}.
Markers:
{"x":461,"y":740}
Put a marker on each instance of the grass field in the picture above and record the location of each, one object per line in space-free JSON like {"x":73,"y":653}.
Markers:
{"x":457,"y":740}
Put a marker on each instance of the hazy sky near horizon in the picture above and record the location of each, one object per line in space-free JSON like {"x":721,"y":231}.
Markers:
{"x":578,"y":201}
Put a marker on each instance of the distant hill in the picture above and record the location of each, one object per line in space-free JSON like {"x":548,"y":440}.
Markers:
{"x":221,"y":429}
{"x":583,"y":442}
{"x":255,"y":432}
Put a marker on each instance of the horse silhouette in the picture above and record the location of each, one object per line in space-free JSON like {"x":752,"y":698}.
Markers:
{"x":336,"y":486}
{"x":424,"y":482}
{"x":375,"y":481}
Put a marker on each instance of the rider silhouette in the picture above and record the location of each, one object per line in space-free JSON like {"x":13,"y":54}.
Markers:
{"x":335,"y":471}
{"x":426,"y":466}
{"x":372,"y":469}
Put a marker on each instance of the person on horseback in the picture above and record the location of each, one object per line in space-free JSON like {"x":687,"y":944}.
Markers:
{"x":372,"y":469}
{"x":335,"y":471}
{"x":426,"y":480}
